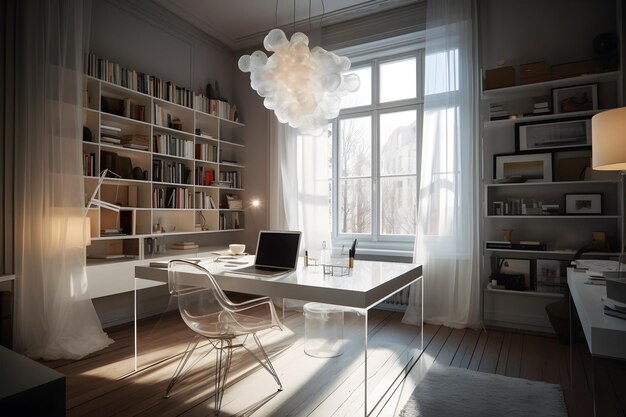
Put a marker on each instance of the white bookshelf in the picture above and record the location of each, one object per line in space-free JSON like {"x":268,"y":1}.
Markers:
{"x":181,"y":218}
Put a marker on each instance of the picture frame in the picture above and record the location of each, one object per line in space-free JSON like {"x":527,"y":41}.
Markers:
{"x":551,"y":275}
{"x":583,"y":204}
{"x":561,"y":134}
{"x":575,"y":98}
{"x":533,"y":167}
{"x":571,"y":165}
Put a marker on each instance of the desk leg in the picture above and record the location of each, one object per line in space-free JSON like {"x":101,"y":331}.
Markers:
{"x":135,"y":321}
{"x":365,"y":363}
{"x":571,"y":340}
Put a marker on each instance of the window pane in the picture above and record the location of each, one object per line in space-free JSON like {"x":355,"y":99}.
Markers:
{"x":355,"y":144}
{"x":362,"y":96}
{"x":397,"y":201}
{"x":398,"y":143}
{"x":398,"y":80}
{"x":355,"y":206}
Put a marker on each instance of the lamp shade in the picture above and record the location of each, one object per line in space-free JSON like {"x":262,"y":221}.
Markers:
{"x":608,"y":138}
{"x":78,"y":232}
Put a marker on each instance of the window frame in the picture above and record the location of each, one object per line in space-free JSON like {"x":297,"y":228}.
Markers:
{"x":376,"y":242}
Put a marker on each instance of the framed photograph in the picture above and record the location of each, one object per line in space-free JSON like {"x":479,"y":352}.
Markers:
{"x":498,"y":208}
{"x":551,"y":275}
{"x":583,"y":203}
{"x":533,"y":167}
{"x":553,"y":134}
{"x":571,"y":165}
{"x":575,"y":98}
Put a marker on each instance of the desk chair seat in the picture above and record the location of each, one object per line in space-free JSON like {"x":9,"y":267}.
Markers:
{"x":207,"y":310}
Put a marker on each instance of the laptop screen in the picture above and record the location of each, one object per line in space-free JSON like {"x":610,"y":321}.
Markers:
{"x":278,"y":249}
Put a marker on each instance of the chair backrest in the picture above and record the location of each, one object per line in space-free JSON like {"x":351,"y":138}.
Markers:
{"x":200,"y":299}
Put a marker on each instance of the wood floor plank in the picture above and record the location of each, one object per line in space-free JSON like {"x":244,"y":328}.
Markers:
{"x":514,"y":358}
{"x":451,"y":347}
{"x":504,"y":354}
{"x":491,"y":353}
{"x":98,"y":385}
{"x":463,"y":355}
{"x":477,"y":354}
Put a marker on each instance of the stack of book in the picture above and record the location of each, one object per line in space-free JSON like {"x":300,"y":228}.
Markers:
{"x":614,"y":308}
{"x":541,"y":105}
{"x":89,"y":164}
{"x":204,"y":176}
{"x":184,"y":245}
{"x":115,"y":231}
{"x":522,"y":245}
{"x":141,"y":142}
{"x":171,"y":145}
{"x":497,"y":112}
{"x":110,"y":134}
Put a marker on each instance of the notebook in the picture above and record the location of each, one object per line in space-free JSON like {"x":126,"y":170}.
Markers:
{"x":276,"y":253}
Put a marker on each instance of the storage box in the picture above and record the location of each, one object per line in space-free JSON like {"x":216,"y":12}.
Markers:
{"x":572,"y":69}
{"x":499,"y":78}
{"x":535,"y":72}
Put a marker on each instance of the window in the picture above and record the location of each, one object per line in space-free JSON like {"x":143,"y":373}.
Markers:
{"x":374,"y":159}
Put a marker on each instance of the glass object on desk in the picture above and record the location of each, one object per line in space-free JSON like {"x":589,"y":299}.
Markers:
{"x":336,"y":270}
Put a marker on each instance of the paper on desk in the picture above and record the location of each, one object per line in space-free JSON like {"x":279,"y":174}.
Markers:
{"x":601,"y":268}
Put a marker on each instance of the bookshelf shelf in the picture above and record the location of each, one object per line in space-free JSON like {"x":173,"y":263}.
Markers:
{"x":141,"y":193}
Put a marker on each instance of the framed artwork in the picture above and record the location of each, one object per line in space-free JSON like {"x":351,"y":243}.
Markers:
{"x":553,"y":134}
{"x":575,"y":98}
{"x":583,"y":203}
{"x":532,"y":167}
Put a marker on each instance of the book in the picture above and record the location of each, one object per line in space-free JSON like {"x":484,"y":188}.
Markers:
{"x":614,"y":304}
{"x":614,"y":313}
{"x":515,"y":246}
{"x":108,"y":139}
{"x":184,"y":245}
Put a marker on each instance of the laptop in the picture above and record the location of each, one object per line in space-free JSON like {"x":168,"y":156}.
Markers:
{"x":276,"y":253}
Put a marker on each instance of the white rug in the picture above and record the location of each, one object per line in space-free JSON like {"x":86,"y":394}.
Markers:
{"x":453,"y":392}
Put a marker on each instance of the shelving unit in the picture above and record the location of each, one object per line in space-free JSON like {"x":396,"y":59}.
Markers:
{"x":564,"y":234}
{"x":169,"y":183}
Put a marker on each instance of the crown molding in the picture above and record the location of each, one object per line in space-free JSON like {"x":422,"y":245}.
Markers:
{"x":247,"y":41}
{"x":155,"y":13}
{"x":388,"y":24}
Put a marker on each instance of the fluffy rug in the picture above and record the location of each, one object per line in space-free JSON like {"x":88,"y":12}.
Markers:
{"x":458,"y":392}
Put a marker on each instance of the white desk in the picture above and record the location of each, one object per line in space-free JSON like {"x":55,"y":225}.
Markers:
{"x":605,"y":335}
{"x":367,"y":285}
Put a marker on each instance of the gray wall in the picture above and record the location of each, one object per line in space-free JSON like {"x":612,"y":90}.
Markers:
{"x":143,"y":36}
{"x":556,"y":32}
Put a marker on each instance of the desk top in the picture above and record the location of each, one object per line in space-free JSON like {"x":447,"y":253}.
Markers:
{"x":606,"y":335}
{"x":367,"y":284}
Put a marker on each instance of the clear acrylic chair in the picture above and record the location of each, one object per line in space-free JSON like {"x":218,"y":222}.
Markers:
{"x":207,"y":310}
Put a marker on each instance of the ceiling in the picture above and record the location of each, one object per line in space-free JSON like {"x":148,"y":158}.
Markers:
{"x":242,"y":24}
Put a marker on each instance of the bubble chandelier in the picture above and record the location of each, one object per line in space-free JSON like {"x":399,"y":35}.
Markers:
{"x":303,"y":87}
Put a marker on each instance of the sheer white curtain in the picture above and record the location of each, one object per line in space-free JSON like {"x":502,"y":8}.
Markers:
{"x":54,"y":314}
{"x":299,"y":185}
{"x":446,"y":241}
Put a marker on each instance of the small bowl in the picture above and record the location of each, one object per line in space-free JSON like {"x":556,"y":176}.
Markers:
{"x":236,"y":248}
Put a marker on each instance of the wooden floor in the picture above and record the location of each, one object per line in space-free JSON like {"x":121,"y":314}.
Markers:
{"x":103,"y":384}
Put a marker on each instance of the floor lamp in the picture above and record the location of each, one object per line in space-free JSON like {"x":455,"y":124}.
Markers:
{"x":608,"y":138}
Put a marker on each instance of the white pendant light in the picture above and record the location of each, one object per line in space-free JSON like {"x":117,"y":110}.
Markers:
{"x":304,"y":87}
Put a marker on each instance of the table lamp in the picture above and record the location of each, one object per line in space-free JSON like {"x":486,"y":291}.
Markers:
{"x":608,"y":139}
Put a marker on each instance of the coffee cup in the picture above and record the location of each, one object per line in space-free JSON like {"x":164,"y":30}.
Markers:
{"x":236,"y":248}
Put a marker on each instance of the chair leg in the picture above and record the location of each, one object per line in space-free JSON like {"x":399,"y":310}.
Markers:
{"x":268,"y":364}
{"x":223,"y":355}
{"x":181,"y":365}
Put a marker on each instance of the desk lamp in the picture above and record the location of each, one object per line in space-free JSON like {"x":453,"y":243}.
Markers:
{"x":608,"y":138}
